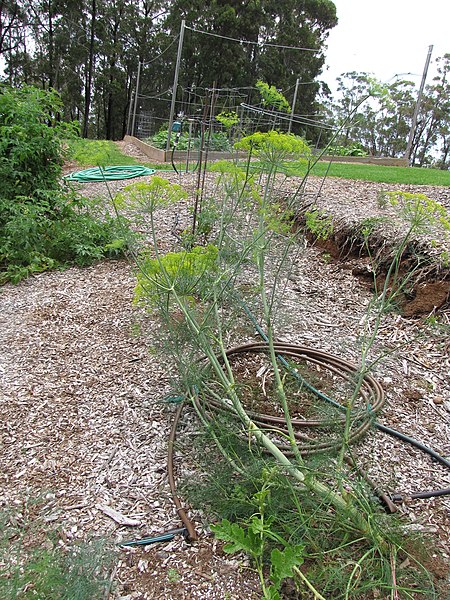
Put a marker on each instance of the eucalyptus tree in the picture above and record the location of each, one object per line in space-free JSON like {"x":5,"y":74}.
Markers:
{"x":10,"y":14}
{"x":382,"y":124}
{"x":352,"y":87}
{"x":302,"y":25}
{"x":274,"y":30}
{"x":89,"y":50}
{"x":433,"y":124}
{"x":394,"y":119}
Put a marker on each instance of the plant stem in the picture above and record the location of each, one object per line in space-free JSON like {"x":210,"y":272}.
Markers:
{"x":317,"y":595}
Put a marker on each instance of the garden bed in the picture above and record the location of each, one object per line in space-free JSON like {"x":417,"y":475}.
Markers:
{"x":85,"y":424}
{"x":162,"y":156}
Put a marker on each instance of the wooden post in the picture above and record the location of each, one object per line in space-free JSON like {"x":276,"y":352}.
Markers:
{"x":175,"y":84}
{"x":417,"y":107}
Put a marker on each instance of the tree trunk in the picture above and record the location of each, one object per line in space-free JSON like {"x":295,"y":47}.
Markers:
{"x":90,"y":71}
{"x":51,"y":49}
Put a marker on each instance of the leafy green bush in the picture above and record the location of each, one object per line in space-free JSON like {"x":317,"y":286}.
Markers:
{"x":271,"y":97}
{"x":31,"y":150}
{"x":355,"y":149}
{"x":319,"y":224}
{"x":217,"y":141}
{"x":228,"y":119}
{"x":43,"y":223}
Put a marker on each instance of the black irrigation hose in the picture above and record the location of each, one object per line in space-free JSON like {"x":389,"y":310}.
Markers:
{"x":413,"y":442}
{"x":371,"y":392}
{"x":421,"y":495}
{"x":389,"y":430}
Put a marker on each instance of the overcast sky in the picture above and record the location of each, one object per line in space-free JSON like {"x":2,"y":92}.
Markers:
{"x":387,"y":37}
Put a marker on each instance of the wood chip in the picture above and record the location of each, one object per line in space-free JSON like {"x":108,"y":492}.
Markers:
{"x":117,"y":516}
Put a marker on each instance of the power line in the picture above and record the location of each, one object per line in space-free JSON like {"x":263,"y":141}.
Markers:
{"x":224,"y":37}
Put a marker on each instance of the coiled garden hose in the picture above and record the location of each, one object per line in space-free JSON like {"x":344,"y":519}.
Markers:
{"x":371,"y":396}
{"x":389,"y":430}
{"x":371,"y":392}
{"x":109,"y":173}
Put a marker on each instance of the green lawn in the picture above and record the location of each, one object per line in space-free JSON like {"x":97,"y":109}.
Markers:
{"x":98,"y":153}
{"x":105,"y":153}
{"x":376,"y":173}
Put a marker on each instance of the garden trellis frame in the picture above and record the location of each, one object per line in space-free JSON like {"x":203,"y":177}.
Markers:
{"x":243,"y":110}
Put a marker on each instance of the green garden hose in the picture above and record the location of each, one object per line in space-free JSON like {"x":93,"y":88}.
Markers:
{"x":109,"y":173}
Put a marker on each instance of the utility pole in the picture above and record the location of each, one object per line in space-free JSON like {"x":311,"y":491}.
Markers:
{"x":293,"y":104}
{"x":138,"y":79}
{"x":175,"y":83}
{"x":417,"y":107}
{"x":129,"y":113}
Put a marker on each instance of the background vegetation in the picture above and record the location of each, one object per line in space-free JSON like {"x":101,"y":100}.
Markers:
{"x":89,"y":52}
{"x":381,"y":127}
{"x":44,"y":224}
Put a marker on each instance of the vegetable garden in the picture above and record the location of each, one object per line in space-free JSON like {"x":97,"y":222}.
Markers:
{"x":273,"y":328}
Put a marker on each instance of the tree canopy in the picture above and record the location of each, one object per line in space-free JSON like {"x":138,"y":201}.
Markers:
{"x":89,"y":50}
{"x":382,"y":125}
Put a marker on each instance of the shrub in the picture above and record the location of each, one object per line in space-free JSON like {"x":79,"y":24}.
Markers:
{"x":31,"y":150}
{"x":43,"y":223}
{"x":355,"y":149}
{"x":217,"y":141}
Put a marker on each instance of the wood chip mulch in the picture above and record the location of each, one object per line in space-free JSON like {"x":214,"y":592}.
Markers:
{"x":84,"y":424}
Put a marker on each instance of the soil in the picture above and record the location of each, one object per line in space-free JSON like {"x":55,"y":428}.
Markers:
{"x":429,"y":291}
{"x":86,"y":419}
{"x":425,"y":260}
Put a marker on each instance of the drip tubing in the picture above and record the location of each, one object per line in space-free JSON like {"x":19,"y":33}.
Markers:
{"x":162,"y":537}
{"x":389,"y":430}
{"x":191,"y":533}
{"x":421,"y":495}
{"x":371,"y":394}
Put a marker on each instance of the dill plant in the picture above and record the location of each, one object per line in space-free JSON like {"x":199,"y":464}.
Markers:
{"x":196,"y":293}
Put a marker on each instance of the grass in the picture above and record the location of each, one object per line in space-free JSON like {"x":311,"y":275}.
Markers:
{"x":105,"y":153}
{"x":375,"y":173}
{"x":92,"y":153}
